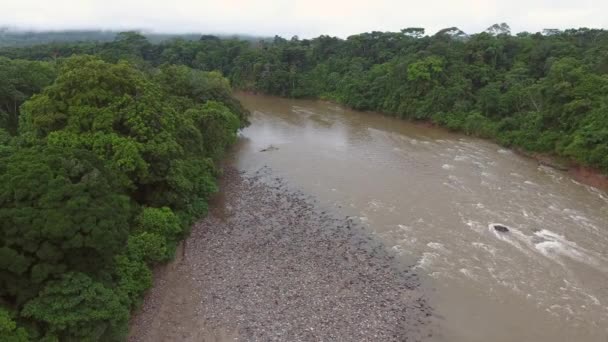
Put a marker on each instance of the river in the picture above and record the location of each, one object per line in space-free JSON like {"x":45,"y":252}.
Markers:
{"x":431,"y":197}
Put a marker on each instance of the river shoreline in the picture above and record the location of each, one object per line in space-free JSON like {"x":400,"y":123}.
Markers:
{"x":269,"y":264}
{"x":584,"y":174}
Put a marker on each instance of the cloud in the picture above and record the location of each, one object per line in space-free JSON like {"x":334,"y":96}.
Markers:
{"x":304,"y":18}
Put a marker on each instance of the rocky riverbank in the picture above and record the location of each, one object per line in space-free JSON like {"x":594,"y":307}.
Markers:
{"x":583,"y":174}
{"x":268,"y":264}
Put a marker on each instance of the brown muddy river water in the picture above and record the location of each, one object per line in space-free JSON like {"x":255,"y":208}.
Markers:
{"x":432,"y":197}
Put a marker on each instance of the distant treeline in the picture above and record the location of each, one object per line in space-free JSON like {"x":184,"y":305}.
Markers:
{"x":22,"y":38}
{"x":543,"y":92}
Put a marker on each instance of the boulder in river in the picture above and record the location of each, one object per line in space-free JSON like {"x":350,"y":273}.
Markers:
{"x":500,"y":228}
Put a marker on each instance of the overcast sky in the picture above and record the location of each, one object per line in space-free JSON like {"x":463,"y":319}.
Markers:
{"x":307,"y":19}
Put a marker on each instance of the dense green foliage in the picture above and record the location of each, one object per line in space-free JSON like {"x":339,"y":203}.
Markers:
{"x":9,"y":330}
{"x":103,"y":167}
{"x":543,"y":92}
{"x":19,"y":80}
{"x":108,"y":148}
{"x":58,"y":211}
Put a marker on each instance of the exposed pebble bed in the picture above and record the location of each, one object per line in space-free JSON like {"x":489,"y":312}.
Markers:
{"x":268,"y":264}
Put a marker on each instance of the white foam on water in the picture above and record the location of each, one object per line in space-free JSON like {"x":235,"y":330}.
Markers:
{"x":503,"y":151}
{"x":583,"y":220}
{"x":436,"y":275}
{"x":468,"y":273}
{"x":569,"y":285}
{"x":557,"y":177}
{"x":302,"y":110}
{"x":457,"y":184}
{"x":404,"y":227}
{"x":575,"y":182}
{"x":426,"y":261}
{"x":594,"y":299}
{"x":555,"y":246}
{"x":598,"y":192}
{"x":552,"y":248}
{"x":551,"y":245}
{"x":530,"y":183}
{"x":398,"y":249}
{"x":513,"y":237}
{"x":461,"y":158}
{"x":435,"y":245}
{"x":452,"y":186}
{"x":447,"y":167}
{"x":438,"y":247}
{"x":479,"y":164}
{"x":473,"y":225}
{"x":411,"y":241}
{"x":485,"y":247}
{"x":374,"y":204}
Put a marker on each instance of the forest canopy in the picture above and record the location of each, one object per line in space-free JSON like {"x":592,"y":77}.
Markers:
{"x":109,"y":147}
{"x":103,"y":167}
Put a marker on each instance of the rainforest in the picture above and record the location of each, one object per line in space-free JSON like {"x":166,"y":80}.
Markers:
{"x":110,"y":148}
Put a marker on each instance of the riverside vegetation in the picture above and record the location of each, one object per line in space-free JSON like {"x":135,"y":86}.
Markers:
{"x":102,"y":171}
{"x":108,"y":149}
{"x":541,"y":92}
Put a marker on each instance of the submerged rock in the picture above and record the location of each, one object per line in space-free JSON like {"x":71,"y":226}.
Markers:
{"x":501,"y":228}
{"x":269,"y":148}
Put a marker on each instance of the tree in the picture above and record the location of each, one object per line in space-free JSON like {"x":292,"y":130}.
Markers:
{"x":453,"y":32}
{"x":76,"y":308}
{"x":9,"y":330}
{"x":110,"y":109}
{"x":60,"y":210}
{"x":189,"y":87}
{"x":111,"y":164}
{"x":414,"y":32}
{"x":20,"y":80}
{"x":129,"y":45}
{"x":498,"y":29}
{"x":132,"y":277}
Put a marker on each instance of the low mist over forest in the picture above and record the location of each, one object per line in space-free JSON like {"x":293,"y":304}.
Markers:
{"x":13,"y":37}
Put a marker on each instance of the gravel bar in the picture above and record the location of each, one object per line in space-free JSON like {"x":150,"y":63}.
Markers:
{"x":269,"y":264}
